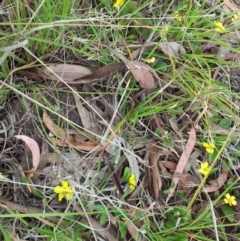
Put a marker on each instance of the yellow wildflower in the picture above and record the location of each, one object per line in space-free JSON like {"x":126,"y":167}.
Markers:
{"x":235,"y":17}
{"x":151,"y":60}
{"x":219,"y":27}
{"x":231,"y":200}
{"x":118,"y":3}
{"x":209,"y":147}
{"x":205,"y":168}
{"x":163,"y":31}
{"x":132,"y":181}
{"x":64,"y":191}
{"x":177,"y":16}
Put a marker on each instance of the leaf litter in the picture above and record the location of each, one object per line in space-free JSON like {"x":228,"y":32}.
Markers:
{"x":86,"y":149}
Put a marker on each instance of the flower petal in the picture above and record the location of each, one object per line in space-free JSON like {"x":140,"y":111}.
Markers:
{"x":60,"y":196}
{"x":69,"y":195}
{"x":58,"y":189}
{"x":65,"y":184}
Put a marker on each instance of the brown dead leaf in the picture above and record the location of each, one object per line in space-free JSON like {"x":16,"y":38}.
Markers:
{"x":84,"y":113}
{"x":172,"y":49}
{"x":66,"y":72}
{"x":232,"y":56}
{"x":232,"y":37}
{"x":132,"y":230}
{"x":182,"y":161}
{"x":56,"y":130}
{"x":42,"y":162}
{"x":64,"y":140}
{"x":185,"y":181}
{"x":85,"y":146}
{"x":230,"y":6}
{"x":141,"y":73}
{"x":156,"y":179}
{"x":218,"y":183}
{"x":89,"y":117}
{"x":32,"y":73}
{"x":34,"y":148}
{"x":200,"y":207}
{"x":90,"y":146}
{"x":101,"y":73}
{"x":170,"y":165}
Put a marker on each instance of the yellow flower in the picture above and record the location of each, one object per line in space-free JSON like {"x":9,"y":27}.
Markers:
{"x":132,"y":181}
{"x":209,"y":147}
{"x":177,"y":16}
{"x":64,"y":191}
{"x":205,"y":168}
{"x":163,"y":31}
{"x":151,"y":60}
{"x":118,"y":3}
{"x":235,"y":17}
{"x":231,"y":200}
{"x":219,"y":27}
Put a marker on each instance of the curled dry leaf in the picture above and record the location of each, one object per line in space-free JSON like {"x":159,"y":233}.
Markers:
{"x":34,"y":148}
{"x":182,"y":161}
{"x":232,"y":37}
{"x":172,"y":49}
{"x":101,"y":73}
{"x":185,"y":181}
{"x":67,"y":72}
{"x":232,"y":56}
{"x":64,"y":140}
{"x":218,"y":183}
{"x":56,"y":130}
{"x":141,"y":73}
{"x":42,"y":162}
{"x":156,"y":179}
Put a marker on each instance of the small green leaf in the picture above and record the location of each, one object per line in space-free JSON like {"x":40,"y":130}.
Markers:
{"x":172,"y":185}
{"x":171,"y":238}
{"x":38,"y":193}
{"x":107,"y":4}
{"x":138,"y":236}
{"x":25,"y":180}
{"x":44,"y":201}
{"x":181,"y":236}
{"x":75,"y":235}
{"x":237,"y":235}
{"x":129,"y":7}
{"x":157,"y":132}
{"x":99,"y":208}
{"x":5,"y":234}
{"x":103,"y":218}
{"x":126,"y":174}
{"x":166,"y":191}
{"x":161,"y":65}
{"x":213,"y":155}
{"x":167,"y":142}
{"x":182,"y":196}
{"x":225,"y":123}
{"x":216,"y":118}
{"x":228,"y":212}
{"x":123,"y":229}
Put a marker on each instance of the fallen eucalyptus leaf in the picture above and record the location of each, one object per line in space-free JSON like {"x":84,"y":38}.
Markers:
{"x":141,"y":73}
{"x":172,"y":49}
{"x":66,"y":72}
{"x":100,"y":73}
